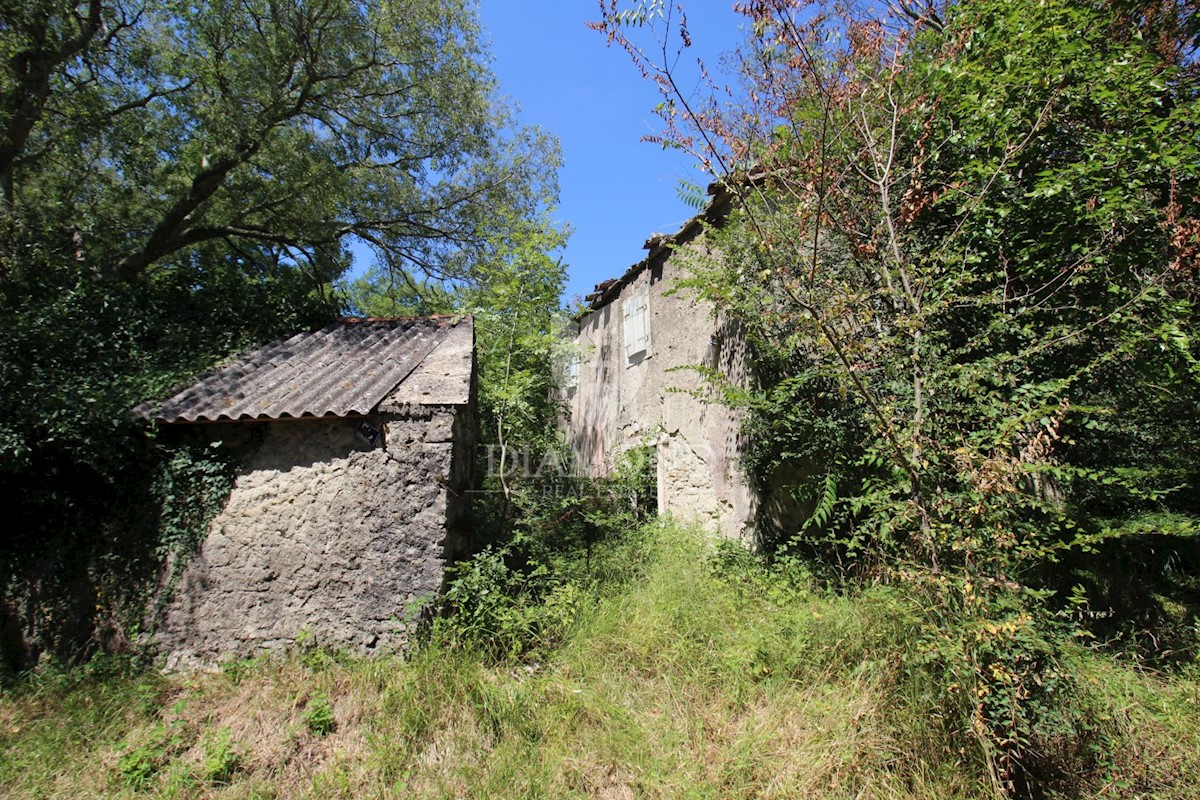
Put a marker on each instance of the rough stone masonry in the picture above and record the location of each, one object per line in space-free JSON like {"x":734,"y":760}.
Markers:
{"x":326,"y":537}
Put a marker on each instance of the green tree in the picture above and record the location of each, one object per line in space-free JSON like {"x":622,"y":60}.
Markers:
{"x":516,"y":305}
{"x":182,"y":180}
{"x":382,"y":291}
{"x":965,"y":252}
{"x":155,"y":126}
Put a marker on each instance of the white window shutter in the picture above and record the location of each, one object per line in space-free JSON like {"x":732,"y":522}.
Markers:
{"x":572,"y":376}
{"x":637,"y":324}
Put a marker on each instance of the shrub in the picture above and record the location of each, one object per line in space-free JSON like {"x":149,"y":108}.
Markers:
{"x":222,"y":757}
{"x":318,"y":715}
{"x":520,"y":597}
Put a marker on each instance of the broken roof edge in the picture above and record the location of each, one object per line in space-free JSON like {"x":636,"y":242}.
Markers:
{"x":658,"y":244}
{"x":437,"y":379}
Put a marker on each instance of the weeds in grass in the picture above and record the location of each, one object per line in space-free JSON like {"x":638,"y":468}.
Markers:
{"x":318,"y":715}
{"x":222,"y":757}
{"x":696,"y":671}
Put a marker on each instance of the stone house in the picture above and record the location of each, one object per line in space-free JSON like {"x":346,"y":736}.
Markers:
{"x":630,"y":384}
{"x":355,"y":447}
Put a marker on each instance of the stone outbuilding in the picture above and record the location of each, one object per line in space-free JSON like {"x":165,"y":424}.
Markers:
{"x":355,"y":447}
{"x":632,"y":383}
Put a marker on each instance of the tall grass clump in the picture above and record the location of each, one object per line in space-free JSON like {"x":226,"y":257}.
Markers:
{"x":689,"y":668}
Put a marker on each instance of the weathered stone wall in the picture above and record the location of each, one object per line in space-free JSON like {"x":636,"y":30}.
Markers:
{"x":623,"y":402}
{"x":325,"y":537}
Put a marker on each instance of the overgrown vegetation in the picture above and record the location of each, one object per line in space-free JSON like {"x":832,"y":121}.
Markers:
{"x":964,"y":250}
{"x":684,"y":670}
{"x":178,"y":182}
{"x":562,"y":536}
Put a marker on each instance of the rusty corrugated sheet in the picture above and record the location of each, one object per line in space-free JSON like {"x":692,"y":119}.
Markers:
{"x":345,"y":369}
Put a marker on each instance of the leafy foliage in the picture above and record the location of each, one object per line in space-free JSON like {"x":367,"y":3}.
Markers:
{"x":506,"y":610}
{"x":288,"y":126}
{"x":189,"y":491}
{"x":519,"y":599}
{"x":965,"y":253}
{"x":318,"y":715}
{"x":222,"y":757}
{"x":179,"y":181}
{"x":515,"y":304}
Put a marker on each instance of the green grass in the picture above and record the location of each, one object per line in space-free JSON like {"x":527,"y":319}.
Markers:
{"x":684,"y":676}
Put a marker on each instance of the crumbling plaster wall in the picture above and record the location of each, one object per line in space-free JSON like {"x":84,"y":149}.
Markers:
{"x":328,"y":537}
{"x":621,"y":402}
{"x":322,"y":536}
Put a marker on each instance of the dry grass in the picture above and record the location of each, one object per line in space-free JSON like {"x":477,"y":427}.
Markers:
{"x":680,"y":684}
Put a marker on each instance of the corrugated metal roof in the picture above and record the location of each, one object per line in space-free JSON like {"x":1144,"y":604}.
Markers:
{"x":345,"y":369}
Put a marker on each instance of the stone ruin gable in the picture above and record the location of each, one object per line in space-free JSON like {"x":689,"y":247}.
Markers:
{"x":324,"y":536}
{"x":621,"y":401}
{"x":321,"y":536}
{"x":444,"y":404}
{"x":617,"y":400}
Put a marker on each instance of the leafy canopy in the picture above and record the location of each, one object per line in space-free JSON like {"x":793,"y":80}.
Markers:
{"x":966,"y":256}
{"x":180,"y":180}
{"x":214,"y":162}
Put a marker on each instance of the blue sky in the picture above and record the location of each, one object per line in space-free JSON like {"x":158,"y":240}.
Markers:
{"x":615,"y":189}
